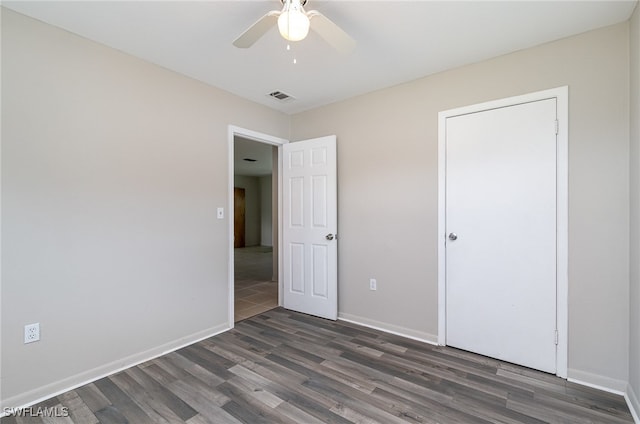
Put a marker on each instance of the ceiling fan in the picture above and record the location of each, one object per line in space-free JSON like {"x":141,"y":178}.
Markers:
{"x":293,"y":23}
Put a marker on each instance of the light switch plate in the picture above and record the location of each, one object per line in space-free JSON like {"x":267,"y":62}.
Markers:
{"x":220,"y":213}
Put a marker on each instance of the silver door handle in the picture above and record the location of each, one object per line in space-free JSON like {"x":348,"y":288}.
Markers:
{"x":453,"y":236}
{"x":329,"y":237}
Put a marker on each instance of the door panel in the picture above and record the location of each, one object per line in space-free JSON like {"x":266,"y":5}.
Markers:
{"x":501,"y":204}
{"x":309,"y":215}
{"x":296,"y":268}
{"x":238,"y":217}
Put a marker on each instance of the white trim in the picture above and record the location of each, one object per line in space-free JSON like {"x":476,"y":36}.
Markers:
{"x":595,"y":381}
{"x":609,"y":385}
{"x":70,"y":383}
{"x":442,"y":228}
{"x":562,"y":235}
{"x":561,"y":94}
{"x":388,"y":328}
{"x":261,"y":138}
{"x":633,"y":403}
{"x":280,"y":221}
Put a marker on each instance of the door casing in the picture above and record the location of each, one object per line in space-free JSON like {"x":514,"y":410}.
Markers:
{"x":561,"y":94}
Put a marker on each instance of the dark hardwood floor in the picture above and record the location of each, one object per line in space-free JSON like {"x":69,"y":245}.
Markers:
{"x":285,"y":367}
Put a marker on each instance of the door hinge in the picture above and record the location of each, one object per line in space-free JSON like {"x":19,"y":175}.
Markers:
{"x":557,"y":126}
{"x":556,"y":338}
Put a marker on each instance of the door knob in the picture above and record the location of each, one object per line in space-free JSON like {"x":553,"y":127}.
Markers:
{"x":453,"y":236}
{"x":329,"y":237}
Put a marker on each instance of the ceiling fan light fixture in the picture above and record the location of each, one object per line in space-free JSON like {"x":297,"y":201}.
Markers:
{"x":293,"y":22}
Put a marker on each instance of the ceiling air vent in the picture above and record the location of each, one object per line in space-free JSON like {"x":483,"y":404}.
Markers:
{"x":283,"y":97}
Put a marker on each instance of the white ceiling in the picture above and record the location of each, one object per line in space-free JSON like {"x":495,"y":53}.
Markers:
{"x":261,"y":153}
{"x":398,"y":41}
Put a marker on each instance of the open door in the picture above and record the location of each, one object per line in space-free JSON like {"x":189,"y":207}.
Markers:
{"x":310,"y":222}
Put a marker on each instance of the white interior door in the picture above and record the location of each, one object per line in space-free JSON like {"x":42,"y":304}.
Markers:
{"x":501,"y":228}
{"x":309,"y":218}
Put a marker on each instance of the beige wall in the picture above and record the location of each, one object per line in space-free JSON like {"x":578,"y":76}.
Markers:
{"x":112,"y":169}
{"x":634,"y":317}
{"x":387,"y":167}
{"x":252,"y":219}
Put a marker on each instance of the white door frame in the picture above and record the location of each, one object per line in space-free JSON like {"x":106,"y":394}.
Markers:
{"x":561,"y":94}
{"x":234,"y":131}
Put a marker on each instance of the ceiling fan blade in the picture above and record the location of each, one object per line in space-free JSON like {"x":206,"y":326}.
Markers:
{"x":257,"y":30}
{"x":332,"y":33}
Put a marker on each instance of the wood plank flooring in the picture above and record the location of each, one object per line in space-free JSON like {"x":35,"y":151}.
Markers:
{"x":285,"y":367}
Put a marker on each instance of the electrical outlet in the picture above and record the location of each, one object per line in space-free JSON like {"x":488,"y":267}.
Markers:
{"x":373,"y":284}
{"x":32,"y":333}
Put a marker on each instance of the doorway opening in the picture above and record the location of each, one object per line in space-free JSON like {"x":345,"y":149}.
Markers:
{"x":255,"y":283}
{"x":253,"y":233}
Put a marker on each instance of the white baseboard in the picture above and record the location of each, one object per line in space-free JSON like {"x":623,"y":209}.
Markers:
{"x":633,"y":402}
{"x":390,"y":328}
{"x":24,"y":400}
{"x":40,"y":394}
{"x":599,"y":382}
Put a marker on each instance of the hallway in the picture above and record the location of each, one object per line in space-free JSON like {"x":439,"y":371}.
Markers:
{"x":254,"y":291}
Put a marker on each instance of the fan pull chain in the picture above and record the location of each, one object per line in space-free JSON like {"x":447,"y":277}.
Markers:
{"x":289,"y":49}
